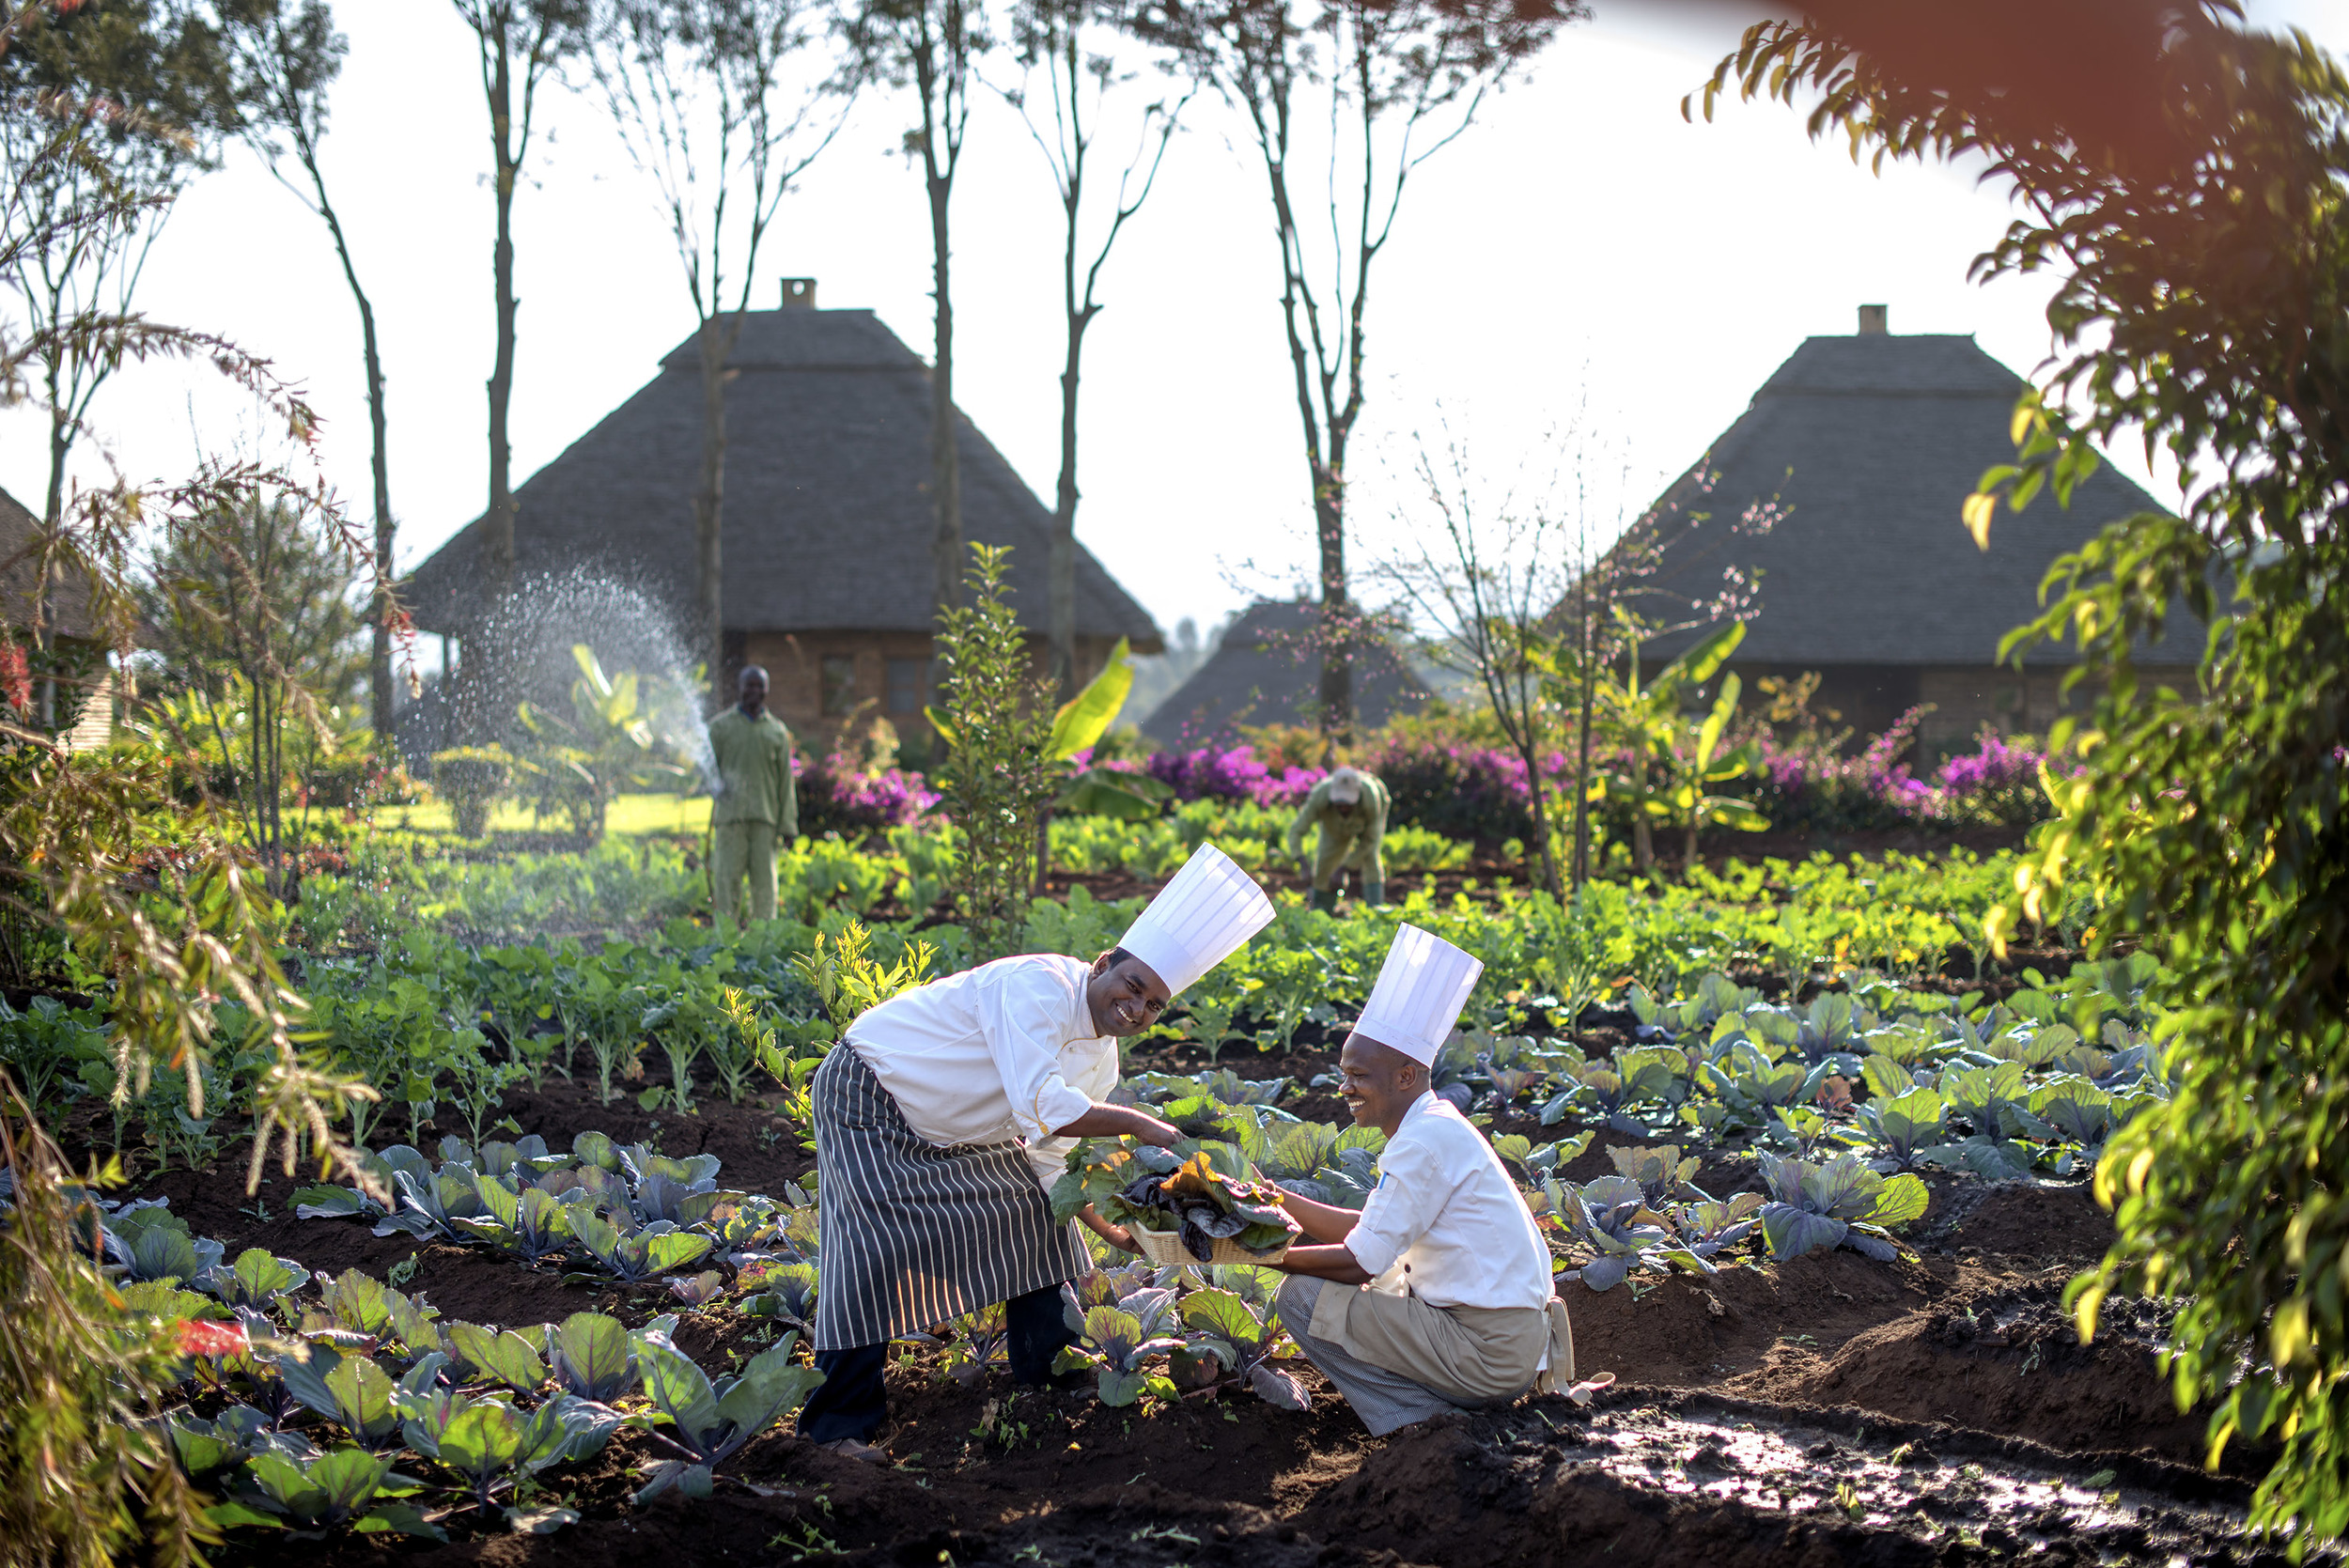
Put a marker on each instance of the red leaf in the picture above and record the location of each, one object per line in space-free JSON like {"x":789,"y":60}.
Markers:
{"x":200,"y":1336}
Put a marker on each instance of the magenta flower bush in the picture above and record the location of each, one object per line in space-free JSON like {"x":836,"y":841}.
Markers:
{"x":1815,"y":787}
{"x":835,"y":796}
{"x":1468,"y":791}
{"x":1458,"y":790}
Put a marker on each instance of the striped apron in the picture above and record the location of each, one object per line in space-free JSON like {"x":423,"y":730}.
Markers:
{"x":914,"y":1235}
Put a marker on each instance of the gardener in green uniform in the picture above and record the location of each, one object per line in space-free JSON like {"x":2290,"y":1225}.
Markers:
{"x":757,"y":806}
{"x":1351,"y":807}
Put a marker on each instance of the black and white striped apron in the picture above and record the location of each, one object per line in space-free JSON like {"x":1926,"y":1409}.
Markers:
{"x":913,"y":1235}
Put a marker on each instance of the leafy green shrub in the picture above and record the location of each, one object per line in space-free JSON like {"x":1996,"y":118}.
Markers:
{"x":473,"y":779}
{"x":996,"y":715}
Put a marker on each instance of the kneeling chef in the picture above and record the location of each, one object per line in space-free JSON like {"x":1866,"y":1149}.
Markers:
{"x":947,"y":1111}
{"x":1438,"y":1294}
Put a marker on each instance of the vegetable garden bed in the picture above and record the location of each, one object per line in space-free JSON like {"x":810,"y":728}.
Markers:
{"x":1935,"y":1409}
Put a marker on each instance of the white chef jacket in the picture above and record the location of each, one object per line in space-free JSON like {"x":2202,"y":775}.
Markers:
{"x":998,"y":1054}
{"x":1449,"y":1214}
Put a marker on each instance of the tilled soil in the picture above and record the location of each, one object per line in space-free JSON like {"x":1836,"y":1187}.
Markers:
{"x":1936,"y":1410}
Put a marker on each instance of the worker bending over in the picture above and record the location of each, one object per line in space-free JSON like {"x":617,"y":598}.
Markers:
{"x":1438,"y":1294}
{"x":1351,"y":807}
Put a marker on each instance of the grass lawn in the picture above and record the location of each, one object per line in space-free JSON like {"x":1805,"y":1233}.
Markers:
{"x":630,"y":813}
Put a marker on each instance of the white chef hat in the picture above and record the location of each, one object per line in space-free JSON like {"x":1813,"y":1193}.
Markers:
{"x":1421,"y":987}
{"x":1199,"y":919}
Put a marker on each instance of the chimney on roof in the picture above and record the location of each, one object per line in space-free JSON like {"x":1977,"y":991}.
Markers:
{"x":1871,"y":320}
{"x":800,"y":293}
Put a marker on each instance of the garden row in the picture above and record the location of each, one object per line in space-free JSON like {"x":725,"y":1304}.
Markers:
{"x":317,"y":1387}
{"x":442,"y":1029}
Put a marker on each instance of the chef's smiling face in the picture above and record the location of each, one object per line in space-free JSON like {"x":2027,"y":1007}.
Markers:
{"x":1126,"y":995}
{"x":1377,"y":1082}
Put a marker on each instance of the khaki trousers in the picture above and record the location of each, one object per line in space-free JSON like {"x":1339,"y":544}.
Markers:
{"x":1398,"y":1361}
{"x":1346,"y":847}
{"x":737,"y":849}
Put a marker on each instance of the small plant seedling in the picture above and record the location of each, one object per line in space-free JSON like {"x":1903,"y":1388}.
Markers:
{"x":1847,"y":1498}
{"x":1164,"y":1532}
{"x":803,"y":1541}
{"x":2098,"y":1482}
{"x":401,"y":1272}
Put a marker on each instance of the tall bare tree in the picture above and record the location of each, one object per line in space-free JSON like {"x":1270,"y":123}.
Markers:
{"x":1482,"y":578}
{"x":1396,"y":81}
{"x":930,"y":46}
{"x":1069,"y":43}
{"x":522,"y":44}
{"x":723,"y":104}
{"x":291,"y":57}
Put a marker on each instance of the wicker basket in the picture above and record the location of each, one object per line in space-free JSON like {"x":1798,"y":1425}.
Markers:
{"x":1166,"y":1250}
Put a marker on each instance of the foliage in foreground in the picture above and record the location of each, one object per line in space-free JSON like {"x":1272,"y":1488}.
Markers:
{"x":2203,"y":276}
{"x":83,"y":1473}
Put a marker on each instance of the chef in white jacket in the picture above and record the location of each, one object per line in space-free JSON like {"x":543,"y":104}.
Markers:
{"x":1438,"y":1294}
{"x":947,"y":1111}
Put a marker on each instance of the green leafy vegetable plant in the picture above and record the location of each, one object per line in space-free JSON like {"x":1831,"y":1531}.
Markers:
{"x":1838,"y":1203}
{"x":708,"y":1421}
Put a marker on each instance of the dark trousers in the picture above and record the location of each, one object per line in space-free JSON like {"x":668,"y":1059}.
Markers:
{"x":852,"y":1402}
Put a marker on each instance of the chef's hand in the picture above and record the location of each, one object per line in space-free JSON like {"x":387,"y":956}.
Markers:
{"x":1121,"y":1121}
{"x":1116,"y":1236}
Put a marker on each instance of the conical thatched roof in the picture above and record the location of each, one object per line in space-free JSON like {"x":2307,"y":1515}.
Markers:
{"x":828,"y":522}
{"x":1871,"y":443}
{"x":1266,"y":671}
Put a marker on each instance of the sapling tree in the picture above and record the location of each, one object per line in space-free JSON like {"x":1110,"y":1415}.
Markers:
{"x":1395,"y":83}
{"x":1481,"y":577}
{"x":1663,"y":571}
{"x":997,"y":719}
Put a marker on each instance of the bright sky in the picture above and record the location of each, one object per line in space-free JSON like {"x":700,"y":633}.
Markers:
{"x":1580,"y":249}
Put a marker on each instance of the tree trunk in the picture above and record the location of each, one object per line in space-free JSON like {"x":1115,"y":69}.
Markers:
{"x":717,"y":345}
{"x":1064,"y":565}
{"x":501,"y":513}
{"x":1535,"y":788}
{"x":1582,"y":754}
{"x":379,"y":650}
{"x":947,"y":563}
{"x":52,"y":514}
{"x":1336,"y":633}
